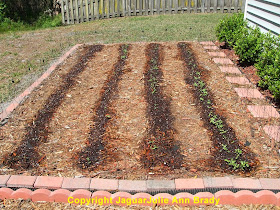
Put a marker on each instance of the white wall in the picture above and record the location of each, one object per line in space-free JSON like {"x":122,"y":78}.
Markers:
{"x":265,"y":14}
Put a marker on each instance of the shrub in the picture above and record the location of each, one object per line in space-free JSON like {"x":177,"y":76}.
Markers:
{"x":2,"y":11}
{"x":27,"y":11}
{"x":46,"y":21}
{"x":228,"y":30}
{"x":8,"y":25}
{"x":249,"y":45}
{"x":268,"y":65}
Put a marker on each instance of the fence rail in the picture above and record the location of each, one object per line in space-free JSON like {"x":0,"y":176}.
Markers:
{"x":77,"y":11}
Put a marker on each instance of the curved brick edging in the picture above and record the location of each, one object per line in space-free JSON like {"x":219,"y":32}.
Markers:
{"x":16,"y":101}
{"x":85,"y":197}
{"x":83,"y":187}
{"x":59,"y":189}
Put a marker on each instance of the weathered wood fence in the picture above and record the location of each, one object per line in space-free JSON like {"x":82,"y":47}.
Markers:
{"x":76,"y":11}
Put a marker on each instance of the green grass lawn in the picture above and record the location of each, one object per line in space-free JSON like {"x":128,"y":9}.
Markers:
{"x":25,"y":55}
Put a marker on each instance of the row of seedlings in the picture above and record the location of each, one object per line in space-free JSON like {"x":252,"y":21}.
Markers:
{"x":160,"y":148}
{"x":228,"y":152}
{"x":93,"y":154}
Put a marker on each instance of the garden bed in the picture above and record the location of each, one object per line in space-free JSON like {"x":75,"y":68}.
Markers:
{"x":132,"y":111}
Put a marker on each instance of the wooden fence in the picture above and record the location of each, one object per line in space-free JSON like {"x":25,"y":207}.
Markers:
{"x":77,"y":11}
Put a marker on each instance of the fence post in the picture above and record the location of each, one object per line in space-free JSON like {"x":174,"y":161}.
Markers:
{"x":92,"y":9}
{"x":151,"y":7}
{"x":222,"y":6}
{"x":124,"y":10}
{"x":108,"y":8}
{"x":87,"y":14}
{"x":62,"y":11}
{"x":135,"y":6}
{"x":243,"y":6}
{"x":215,"y":5}
{"x":77,"y":11}
{"x":72,"y":12}
{"x":82,"y":11}
{"x":195,"y":6}
{"x":67,"y":12}
{"x":203,"y":6}
{"x":158,"y":6}
{"x":146,"y":7}
{"x":170,"y":6}
{"x":176,"y":6}
{"x":140,"y":7}
{"x":235,"y":6}
{"x":229,"y":6}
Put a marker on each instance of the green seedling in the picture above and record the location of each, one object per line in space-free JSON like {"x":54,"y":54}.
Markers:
{"x":204,"y":92}
{"x":233,"y":163}
{"x":225,"y":147}
{"x":154,"y":147}
{"x":238,"y":152}
{"x":201,"y":84}
{"x":244,"y":164}
{"x":222,"y":131}
{"x":88,"y":160}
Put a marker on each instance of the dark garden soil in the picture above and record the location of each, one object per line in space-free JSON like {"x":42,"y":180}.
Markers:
{"x":130,"y":114}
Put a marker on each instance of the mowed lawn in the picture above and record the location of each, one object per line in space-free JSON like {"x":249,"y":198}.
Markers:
{"x":25,"y":55}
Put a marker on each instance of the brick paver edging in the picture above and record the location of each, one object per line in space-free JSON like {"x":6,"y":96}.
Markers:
{"x":16,"y":101}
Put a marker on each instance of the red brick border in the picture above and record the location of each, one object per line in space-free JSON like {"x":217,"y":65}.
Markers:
{"x":82,"y":186}
{"x":51,"y":183}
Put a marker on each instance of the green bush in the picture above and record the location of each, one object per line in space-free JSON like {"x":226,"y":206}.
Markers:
{"x":8,"y":25}
{"x":249,"y":44}
{"x":253,"y":47}
{"x":228,"y":30}
{"x":268,"y":65}
{"x":2,"y":11}
{"x":45,"y":21}
{"x":27,"y":11}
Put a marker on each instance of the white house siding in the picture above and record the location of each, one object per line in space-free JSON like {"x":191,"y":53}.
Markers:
{"x":265,"y":14}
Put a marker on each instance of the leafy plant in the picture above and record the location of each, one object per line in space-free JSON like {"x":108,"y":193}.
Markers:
{"x":238,"y":152}
{"x":249,"y":45}
{"x":228,"y":30}
{"x":233,"y":163}
{"x":244,"y":164}
{"x":225,"y":147}
{"x":2,"y":11}
{"x":268,"y":65}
